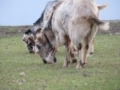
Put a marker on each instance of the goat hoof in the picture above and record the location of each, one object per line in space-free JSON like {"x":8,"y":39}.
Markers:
{"x":78,"y":67}
{"x":74,"y":60}
{"x":65,"y":64}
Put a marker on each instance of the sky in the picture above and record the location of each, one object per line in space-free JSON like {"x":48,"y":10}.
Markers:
{"x":26,"y":12}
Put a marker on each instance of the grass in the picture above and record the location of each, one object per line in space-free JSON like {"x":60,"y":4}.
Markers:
{"x":101,"y":72}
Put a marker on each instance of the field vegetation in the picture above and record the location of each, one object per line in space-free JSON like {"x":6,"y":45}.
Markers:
{"x":20,"y":70}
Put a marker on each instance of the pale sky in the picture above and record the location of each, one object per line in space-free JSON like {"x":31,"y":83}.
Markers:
{"x":26,"y":12}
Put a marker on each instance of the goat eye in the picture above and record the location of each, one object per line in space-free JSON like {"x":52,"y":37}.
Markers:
{"x":40,"y":39}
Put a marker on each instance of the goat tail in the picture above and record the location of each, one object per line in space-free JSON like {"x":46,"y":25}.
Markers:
{"x":102,"y":25}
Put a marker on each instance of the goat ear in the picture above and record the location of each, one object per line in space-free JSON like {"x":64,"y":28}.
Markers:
{"x":38,"y":30}
{"x":28,"y":31}
{"x":102,"y":6}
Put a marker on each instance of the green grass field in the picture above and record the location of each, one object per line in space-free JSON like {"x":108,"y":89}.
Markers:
{"x":101,"y":72}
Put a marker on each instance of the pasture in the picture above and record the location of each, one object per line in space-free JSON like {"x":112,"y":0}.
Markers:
{"x":20,"y":70}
